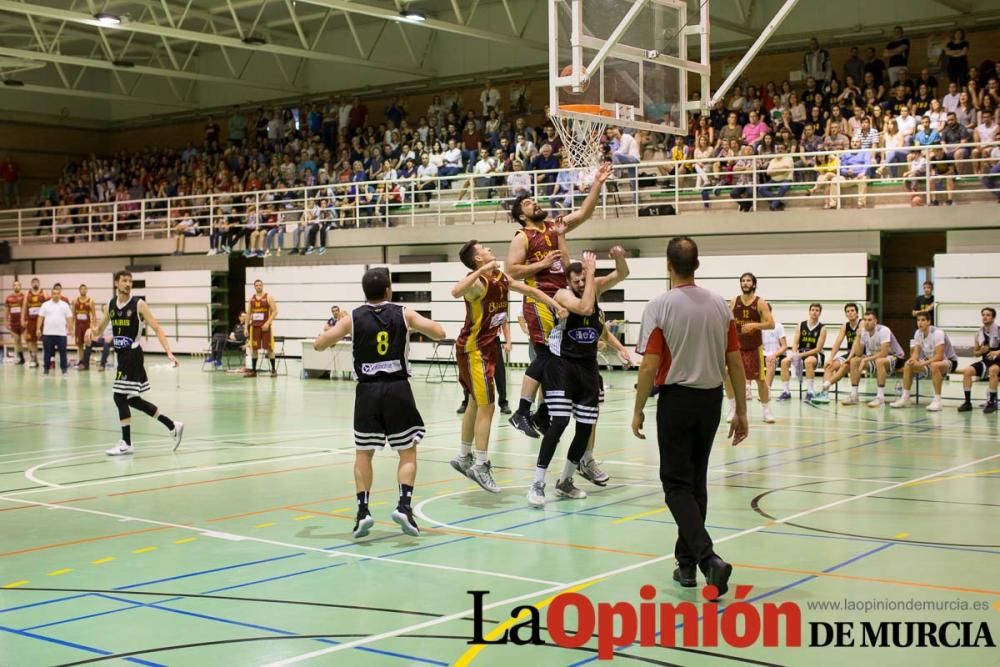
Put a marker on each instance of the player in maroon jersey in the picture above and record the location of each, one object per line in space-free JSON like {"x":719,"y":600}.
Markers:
{"x":263,"y":309}
{"x":485,"y":291}
{"x":33,"y":300}
{"x":84,"y":314}
{"x":752,"y":315}
{"x":538,"y":255}
{"x":15,"y":306}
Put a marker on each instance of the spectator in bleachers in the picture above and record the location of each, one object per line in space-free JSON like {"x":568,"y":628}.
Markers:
{"x":985,"y":133}
{"x":926,"y":135}
{"x":237,"y":127}
{"x":755,"y":130}
{"x":855,"y":168}
{"x":835,"y":139}
{"x":875,"y":66}
{"x":472,"y":141}
{"x":780,"y":176}
{"x":743,"y":181}
{"x":954,"y":138}
{"x":10,"y":175}
{"x":548,"y":161}
{"x":184,"y":228}
{"x":452,"y":162}
{"x":518,"y":180}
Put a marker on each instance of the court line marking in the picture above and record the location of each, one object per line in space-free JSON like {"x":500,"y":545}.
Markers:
{"x":234,"y":536}
{"x":419,"y":511}
{"x":611,"y":573}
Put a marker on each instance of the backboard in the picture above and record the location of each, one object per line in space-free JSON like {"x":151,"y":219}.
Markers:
{"x":631,"y":59}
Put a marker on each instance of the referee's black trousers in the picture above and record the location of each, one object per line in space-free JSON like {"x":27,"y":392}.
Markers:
{"x":686,"y":422}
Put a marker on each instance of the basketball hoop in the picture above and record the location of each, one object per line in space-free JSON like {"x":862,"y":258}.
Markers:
{"x":581,"y":126}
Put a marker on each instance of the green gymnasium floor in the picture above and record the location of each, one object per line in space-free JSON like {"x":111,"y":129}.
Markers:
{"x":236,"y":550}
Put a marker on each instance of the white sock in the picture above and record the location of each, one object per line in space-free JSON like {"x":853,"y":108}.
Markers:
{"x":811,"y":385}
{"x":906,"y":393}
{"x":568,"y":469}
{"x":465,"y":449}
{"x":937,"y":397}
{"x":482,"y":456}
{"x":788,"y":386}
{"x":826,"y":386}
{"x":881,"y":392}
{"x":854,"y":391}
{"x":540,"y":475}
{"x":588,"y":456}
{"x":763,"y":405}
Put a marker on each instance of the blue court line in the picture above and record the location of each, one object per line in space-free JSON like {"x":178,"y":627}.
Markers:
{"x":80,"y":647}
{"x":762,"y":596}
{"x":254,"y":626}
{"x":211,"y":571}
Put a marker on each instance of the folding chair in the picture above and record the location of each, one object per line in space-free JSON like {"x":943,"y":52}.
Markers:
{"x":442,"y":367}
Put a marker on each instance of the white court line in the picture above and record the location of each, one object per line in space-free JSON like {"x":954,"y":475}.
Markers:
{"x":209,"y":532}
{"x":419,"y":511}
{"x":723,"y":469}
{"x":603,"y":575}
{"x":31,"y":473}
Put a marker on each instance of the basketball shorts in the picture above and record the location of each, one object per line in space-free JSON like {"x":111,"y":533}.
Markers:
{"x":982,"y":368}
{"x":261,"y":340}
{"x":540,"y":320}
{"x":476,"y":372}
{"x":385,"y":412}
{"x":926,"y":373}
{"x":753,"y":363}
{"x":15,"y":326}
{"x":131,"y":379}
{"x":798,"y":365}
{"x":842,"y":358}
{"x":894,"y":363}
{"x":80,"y":331}
{"x":30,"y":330}
{"x":573,"y":389}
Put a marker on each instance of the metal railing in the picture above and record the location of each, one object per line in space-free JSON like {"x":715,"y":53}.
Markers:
{"x":912,"y":175}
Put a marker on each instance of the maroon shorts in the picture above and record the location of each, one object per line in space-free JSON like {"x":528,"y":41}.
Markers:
{"x":30,"y":328}
{"x":15,"y":327}
{"x":753,"y":363}
{"x":80,"y":331}
{"x":476,"y":370}
{"x":260,"y":339}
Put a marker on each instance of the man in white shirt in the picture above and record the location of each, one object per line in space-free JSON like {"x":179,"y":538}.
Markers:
{"x":775,"y":346}
{"x":931,"y":354}
{"x":489,"y":98}
{"x":54,"y":321}
{"x":426,"y":178}
{"x":452,"y":162}
{"x":950,"y":101}
{"x":876,"y":349}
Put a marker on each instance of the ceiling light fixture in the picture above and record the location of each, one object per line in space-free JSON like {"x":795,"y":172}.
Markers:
{"x":123,"y":63}
{"x":413,"y":15}
{"x":107,"y":19}
{"x":254,"y":40}
{"x":14,"y":83}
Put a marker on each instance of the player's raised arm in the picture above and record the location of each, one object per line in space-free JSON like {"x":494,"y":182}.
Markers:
{"x":421,"y":324}
{"x":334,"y":334}
{"x":582,"y":214}
{"x":604,"y":283}
{"x":471,"y":287}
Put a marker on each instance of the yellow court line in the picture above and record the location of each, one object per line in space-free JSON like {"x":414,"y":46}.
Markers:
{"x":143,"y":550}
{"x":949,"y":477}
{"x":56,"y":573}
{"x":101,"y":561}
{"x":185,"y":540}
{"x":16,"y":584}
{"x":264,"y":525}
{"x":498,"y":631}
{"x":342,"y":510}
{"x":303,"y":517}
{"x":640,"y":515}
{"x":900,"y":536}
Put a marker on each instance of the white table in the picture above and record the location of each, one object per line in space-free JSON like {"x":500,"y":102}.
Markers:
{"x":338,"y":361}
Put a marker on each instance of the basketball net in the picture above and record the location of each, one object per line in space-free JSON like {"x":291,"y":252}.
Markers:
{"x":581,"y":139}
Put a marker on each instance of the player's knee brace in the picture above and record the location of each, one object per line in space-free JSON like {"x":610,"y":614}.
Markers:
{"x":534,"y":370}
{"x":143,"y":405}
{"x":121,"y":402}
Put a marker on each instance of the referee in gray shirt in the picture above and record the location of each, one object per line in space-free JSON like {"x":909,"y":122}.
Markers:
{"x":689,"y":342}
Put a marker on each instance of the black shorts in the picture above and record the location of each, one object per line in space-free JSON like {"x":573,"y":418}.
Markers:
{"x":982,"y":368}
{"x":536,"y":369}
{"x":573,"y":388}
{"x":386,"y":412}
{"x":131,"y":378}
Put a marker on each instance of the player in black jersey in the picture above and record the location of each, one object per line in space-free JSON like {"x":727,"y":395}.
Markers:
{"x":572,"y":383}
{"x":806,"y":354}
{"x":840,"y":364}
{"x":384,"y":408}
{"x":126,"y":314}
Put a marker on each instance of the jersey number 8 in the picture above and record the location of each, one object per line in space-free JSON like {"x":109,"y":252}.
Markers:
{"x":382,"y":343}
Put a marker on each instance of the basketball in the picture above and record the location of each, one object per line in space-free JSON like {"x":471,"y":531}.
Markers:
{"x":568,"y":71}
